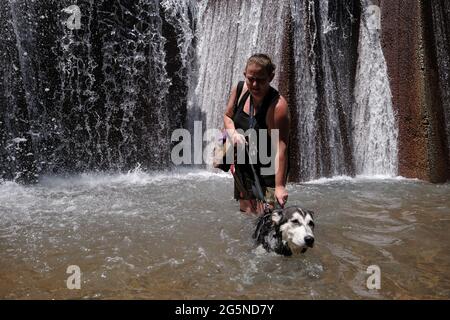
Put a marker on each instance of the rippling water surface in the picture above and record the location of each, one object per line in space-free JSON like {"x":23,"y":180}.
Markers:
{"x":179,"y":235}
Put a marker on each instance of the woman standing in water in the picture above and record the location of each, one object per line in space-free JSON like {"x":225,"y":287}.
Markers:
{"x":270,"y":112}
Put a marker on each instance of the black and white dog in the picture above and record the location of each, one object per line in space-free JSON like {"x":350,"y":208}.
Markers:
{"x":286,"y":231}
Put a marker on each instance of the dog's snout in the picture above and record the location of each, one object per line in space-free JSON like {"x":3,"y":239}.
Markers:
{"x":309,"y":241}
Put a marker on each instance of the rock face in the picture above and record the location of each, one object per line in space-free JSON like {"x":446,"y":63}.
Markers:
{"x":287,"y":90}
{"x":440,"y":11}
{"x":410,"y":50}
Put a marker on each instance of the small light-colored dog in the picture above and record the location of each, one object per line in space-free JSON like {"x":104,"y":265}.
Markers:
{"x":286,"y":231}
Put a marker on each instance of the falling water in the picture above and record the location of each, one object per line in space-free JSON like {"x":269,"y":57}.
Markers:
{"x":102,"y":97}
{"x":114,"y":88}
{"x":325,"y":53}
{"x":229,"y":32}
{"x":18,"y":100}
{"x":109,"y":95}
{"x":375,"y":130}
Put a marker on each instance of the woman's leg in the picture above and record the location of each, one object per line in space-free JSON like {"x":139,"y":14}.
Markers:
{"x":247,"y":206}
{"x":252,"y":206}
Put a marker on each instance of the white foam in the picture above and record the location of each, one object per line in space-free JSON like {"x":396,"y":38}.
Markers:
{"x":359,"y":178}
{"x":133,"y":177}
{"x":384,"y":177}
{"x":9,"y":187}
{"x":329,"y":180}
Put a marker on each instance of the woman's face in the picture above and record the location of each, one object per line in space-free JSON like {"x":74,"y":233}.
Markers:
{"x":257,"y":80}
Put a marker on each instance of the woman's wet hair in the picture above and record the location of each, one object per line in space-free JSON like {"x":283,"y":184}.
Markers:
{"x":262,"y":60}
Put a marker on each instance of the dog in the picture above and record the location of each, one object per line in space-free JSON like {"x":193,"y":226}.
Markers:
{"x":286,"y":231}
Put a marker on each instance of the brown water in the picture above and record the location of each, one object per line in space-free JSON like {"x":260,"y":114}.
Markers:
{"x":180,"y":236}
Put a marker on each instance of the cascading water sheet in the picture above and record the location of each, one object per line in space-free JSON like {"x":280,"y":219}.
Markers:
{"x":375,"y":130}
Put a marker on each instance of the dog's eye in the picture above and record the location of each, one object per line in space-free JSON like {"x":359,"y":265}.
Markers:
{"x":311,"y":224}
{"x":295,"y":221}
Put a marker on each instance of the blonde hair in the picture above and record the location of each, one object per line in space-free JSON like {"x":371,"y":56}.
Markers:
{"x":262,"y":60}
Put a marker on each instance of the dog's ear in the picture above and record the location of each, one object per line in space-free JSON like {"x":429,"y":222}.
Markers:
{"x":311,"y":213}
{"x":277,"y":216}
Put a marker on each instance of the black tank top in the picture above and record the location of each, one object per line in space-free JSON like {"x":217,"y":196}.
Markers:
{"x":241,"y":121}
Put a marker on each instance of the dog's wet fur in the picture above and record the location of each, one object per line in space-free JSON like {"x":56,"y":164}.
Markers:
{"x":286,"y":231}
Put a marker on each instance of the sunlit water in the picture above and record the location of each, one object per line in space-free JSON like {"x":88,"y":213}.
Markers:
{"x":180,"y":235}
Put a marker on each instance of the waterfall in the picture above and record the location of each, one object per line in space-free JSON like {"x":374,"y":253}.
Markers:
{"x":229,"y":33}
{"x":325,"y":53}
{"x":375,"y":131}
{"x":18,"y":98}
{"x":114,"y":88}
{"x":108,"y":94}
{"x":105,"y":96}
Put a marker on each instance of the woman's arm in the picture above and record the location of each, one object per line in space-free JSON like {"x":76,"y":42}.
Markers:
{"x":228,"y":116}
{"x":228,"y":119}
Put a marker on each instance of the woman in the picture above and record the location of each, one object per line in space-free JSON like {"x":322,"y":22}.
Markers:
{"x":270,"y":112}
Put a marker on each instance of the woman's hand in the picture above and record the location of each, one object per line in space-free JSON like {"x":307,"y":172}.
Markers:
{"x":238,"y":138}
{"x":281,"y":195}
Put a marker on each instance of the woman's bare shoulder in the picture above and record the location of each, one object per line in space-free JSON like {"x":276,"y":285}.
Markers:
{"x":281,"y":106}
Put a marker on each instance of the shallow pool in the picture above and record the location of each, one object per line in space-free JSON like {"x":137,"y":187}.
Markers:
{"x":179,"y":235}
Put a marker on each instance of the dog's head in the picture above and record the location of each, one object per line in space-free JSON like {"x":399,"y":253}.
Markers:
{"x":296,"y":226}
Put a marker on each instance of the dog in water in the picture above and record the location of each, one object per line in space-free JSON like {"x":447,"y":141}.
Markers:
{"x":286,"y":231}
